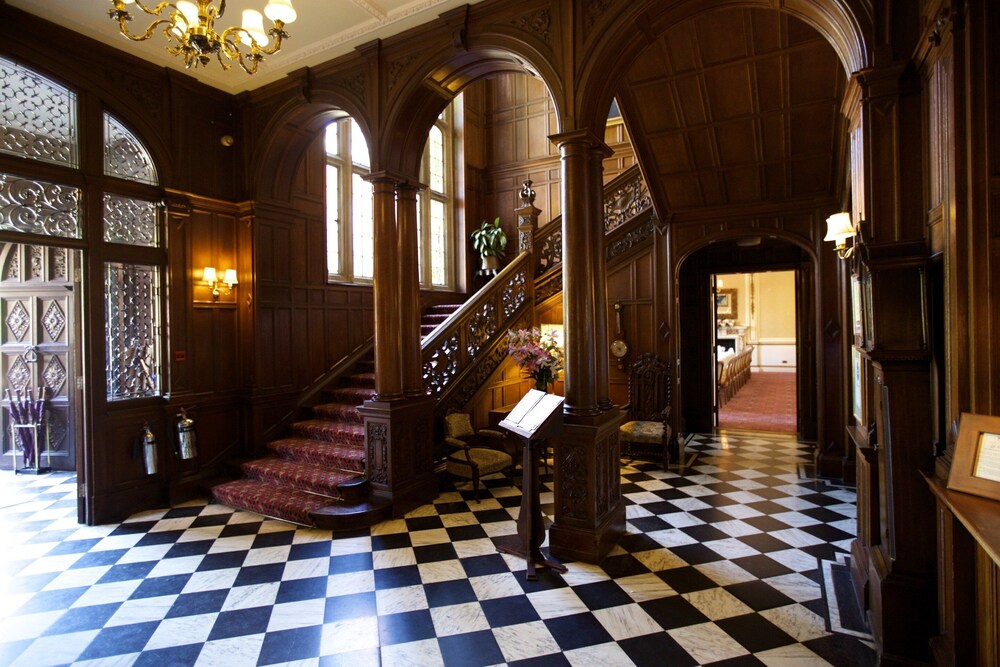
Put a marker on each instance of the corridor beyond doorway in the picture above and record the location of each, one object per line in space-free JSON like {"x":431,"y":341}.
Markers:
{"x":765,"y":403}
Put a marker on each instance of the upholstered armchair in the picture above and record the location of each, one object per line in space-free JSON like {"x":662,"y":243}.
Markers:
{"x":474,"y":454}
{"x":648,"y":434}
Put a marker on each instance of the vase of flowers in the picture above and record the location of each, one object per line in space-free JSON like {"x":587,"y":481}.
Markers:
{"x":538,"y":354}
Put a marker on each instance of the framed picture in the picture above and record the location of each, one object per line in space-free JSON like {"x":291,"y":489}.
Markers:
{"x":725,"y":304}
{"x":976,"y":466}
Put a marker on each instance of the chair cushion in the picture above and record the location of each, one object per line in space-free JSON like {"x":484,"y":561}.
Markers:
{"x":458,"y":425}
{"x":488,"y":460}
{"x":642,"y":431}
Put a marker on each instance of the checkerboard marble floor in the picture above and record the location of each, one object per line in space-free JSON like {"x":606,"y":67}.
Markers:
{"x":725,"y":565}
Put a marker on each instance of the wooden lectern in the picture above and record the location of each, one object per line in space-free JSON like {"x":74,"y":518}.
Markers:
{"x":536,"y":416}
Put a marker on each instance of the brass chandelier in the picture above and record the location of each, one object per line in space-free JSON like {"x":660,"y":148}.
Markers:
{"x":191,"y":26}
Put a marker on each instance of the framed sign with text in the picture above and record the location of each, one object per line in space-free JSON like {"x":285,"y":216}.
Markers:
{"x":976,"y":467}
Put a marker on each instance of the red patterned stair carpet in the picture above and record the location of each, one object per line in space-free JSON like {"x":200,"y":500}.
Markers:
{"x":434,"y":315}
{"x":765,"y":403}
{"x":302,"y":471}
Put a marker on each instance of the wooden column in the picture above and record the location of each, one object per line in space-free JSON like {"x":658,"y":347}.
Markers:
{"x":578,"y":273}
{"x":388,"y":379}
{"x":589,"y":511}
{"x":409,"y":289}
{"x":595,"y":210}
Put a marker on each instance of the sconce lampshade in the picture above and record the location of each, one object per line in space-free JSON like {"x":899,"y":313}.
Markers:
{"x":209,"y":276}
{"x":230,"y":277}
{"x":839,"y":228}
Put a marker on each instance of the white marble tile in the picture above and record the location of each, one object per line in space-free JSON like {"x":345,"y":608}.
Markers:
{"x":579,"y":573}
{"x":200,"y":533}
{"x":84,"y":576}
{"x":154,"y":552}
{"x":388,"y":558}
{"x":350,"y":583}
{"x":307,"y":568}
{"x":117,"y":591}
{"x":352,"y":634}
{"x":443,"y":570}
{"x":231,"y":651}
{"x":301,"y":614}
{"x":671,"y":537}
{"x":267,"y":556}
{"x":643,"y":497}
{"x":800,"y":623}
{"x":794,"y":655}
{"x":211,"y":580}
{"x":717,"y":603}
{"x":796,"y":586}
{"x":682,"y":520}
{"x":600,"y":655}
{"x":636,"y":512}
{"x":527,"y":640}
{"x":458,"y":619}
{"x":224,"y":545}
{"x":397,"y":600}
{"x":658,"y":560}
{"x":423,"y":510}
{"x":124,"y":660}
{"x":172,"y":566}
{"x":459,"y":519}
{"x":736,"y":528}
{"x":794,"y":559}
{"x":625,"y":621}
{"x":425,"y":653}
{"x":480,"y":547}
{"x":350,"y":545}
{"x":796,"y":538}
{"x":697,"y":491}
{"x":493,"y":586}
{"x":644,"y":587}
{"x":423,"y":538}
{"x":731,"y":548}
{"x":55,"y":650}
{"x":248,"y":597}
{"x":499,"y":528}
{"x":724,"y":572}
{"x":707,"y":642}
{"x":29,"y":626}
{"x":181,"y":630}
{"x":142,"y":610}
{"x":689,"y":504}
{"x":556,"y":602}
{"x":47,"y":564}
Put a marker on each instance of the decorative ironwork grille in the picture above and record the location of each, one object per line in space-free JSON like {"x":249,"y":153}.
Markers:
{"x":37,"y":117}
{"x":124,"y":155}
{"x":132,"y":323}
{"x":129,"y":220}
{"x":39,"y":207}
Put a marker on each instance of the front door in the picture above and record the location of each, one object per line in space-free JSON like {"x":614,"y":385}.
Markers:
{"x":36,"y":351}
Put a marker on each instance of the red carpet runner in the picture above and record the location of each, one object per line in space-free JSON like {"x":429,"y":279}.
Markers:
{"x":765,"y":403}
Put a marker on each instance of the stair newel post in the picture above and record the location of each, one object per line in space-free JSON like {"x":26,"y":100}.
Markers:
{"x":409,"y":289}
{"x":595,"y":209}
{"x":589,"y":512}
{"x":399,"y":461}
{"x":527,"y":223}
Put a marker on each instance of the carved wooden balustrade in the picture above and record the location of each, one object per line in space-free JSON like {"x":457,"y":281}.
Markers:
{"x":465,"y":350}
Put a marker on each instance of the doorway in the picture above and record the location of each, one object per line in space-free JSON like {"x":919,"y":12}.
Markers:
{"x":755,"y":351}
{"x":39,"y":354}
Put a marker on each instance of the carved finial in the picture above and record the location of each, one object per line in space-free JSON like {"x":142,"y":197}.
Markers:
{"x":527,"y":194}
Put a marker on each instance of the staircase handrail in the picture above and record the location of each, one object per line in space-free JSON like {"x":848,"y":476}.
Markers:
{"x":467,"y":345}
{"x":324,"y":380}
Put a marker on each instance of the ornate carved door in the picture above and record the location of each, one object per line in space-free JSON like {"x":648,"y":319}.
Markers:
{"x":36,"y":343}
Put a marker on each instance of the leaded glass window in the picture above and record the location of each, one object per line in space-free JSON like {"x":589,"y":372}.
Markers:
{"x":34,"y":206}
{"x":130,"y":220}
{"x":350,"y":239}
{"x":131,"y":317}
{"x":435,"y":205}
{"x":37,"y":117}
{"x":124,"y":155}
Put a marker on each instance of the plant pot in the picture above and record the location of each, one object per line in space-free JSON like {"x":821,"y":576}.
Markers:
{"x":491,"y":263}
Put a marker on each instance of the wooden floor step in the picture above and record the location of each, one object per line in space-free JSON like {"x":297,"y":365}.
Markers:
{"x":270,"y":500}
{"x":350,"y":517}
{"x":298,"y":475}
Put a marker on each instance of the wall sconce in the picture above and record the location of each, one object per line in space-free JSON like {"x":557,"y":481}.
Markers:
{"x":210,"y":276}
{"x":840,"y":228}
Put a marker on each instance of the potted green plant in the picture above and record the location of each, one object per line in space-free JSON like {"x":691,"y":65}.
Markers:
{"x":491,"y":243}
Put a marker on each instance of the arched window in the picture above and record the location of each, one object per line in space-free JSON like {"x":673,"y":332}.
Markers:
{"x":435,"y":204}
{"x":350,"y":230}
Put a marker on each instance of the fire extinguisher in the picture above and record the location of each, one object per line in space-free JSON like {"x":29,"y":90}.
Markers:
{"x":149,"y":450}
{"x":187,"y":448}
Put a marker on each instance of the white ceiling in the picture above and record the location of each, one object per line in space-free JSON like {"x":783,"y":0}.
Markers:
{"x":323,"y":30}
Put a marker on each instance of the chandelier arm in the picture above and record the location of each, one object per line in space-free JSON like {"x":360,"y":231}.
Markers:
{"x":146,"y":35}
{"x":158,"y":9}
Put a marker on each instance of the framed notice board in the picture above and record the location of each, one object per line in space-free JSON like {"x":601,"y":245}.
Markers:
{"x":976,"y":467}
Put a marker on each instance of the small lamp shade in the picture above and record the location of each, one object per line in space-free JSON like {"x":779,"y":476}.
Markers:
{"x":253,"y":24}
{"x":189,"y":10}
{"x":230,"y":277}
{"x":839,"y":228}
{"x":209,"y":276}
{"x":280,"y":10}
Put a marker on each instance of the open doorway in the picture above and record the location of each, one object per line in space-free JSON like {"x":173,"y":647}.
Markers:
{"x":755,"y":352}
{"x":39,"y":357}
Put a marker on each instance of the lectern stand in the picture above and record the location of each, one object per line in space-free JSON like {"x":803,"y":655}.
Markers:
{"x":537,"y":416}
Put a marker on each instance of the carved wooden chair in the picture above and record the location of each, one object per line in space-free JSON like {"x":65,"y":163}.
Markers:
{"x":648,"y":434}
{"x":474,"y":454}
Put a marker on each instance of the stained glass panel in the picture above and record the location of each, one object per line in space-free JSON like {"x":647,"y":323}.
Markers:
{"x":132,"y":324}
{"x":38,"y":207}
{"x":37,"y":117}
{"x":124,"y":155}
{"x":129,"y":220}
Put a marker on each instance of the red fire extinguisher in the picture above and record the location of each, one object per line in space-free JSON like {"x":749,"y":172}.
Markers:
{"x":187,"y":447}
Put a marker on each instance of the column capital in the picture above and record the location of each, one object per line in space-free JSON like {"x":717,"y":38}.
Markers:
{"x":385,"y":177}
{"x":578,"y":137}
